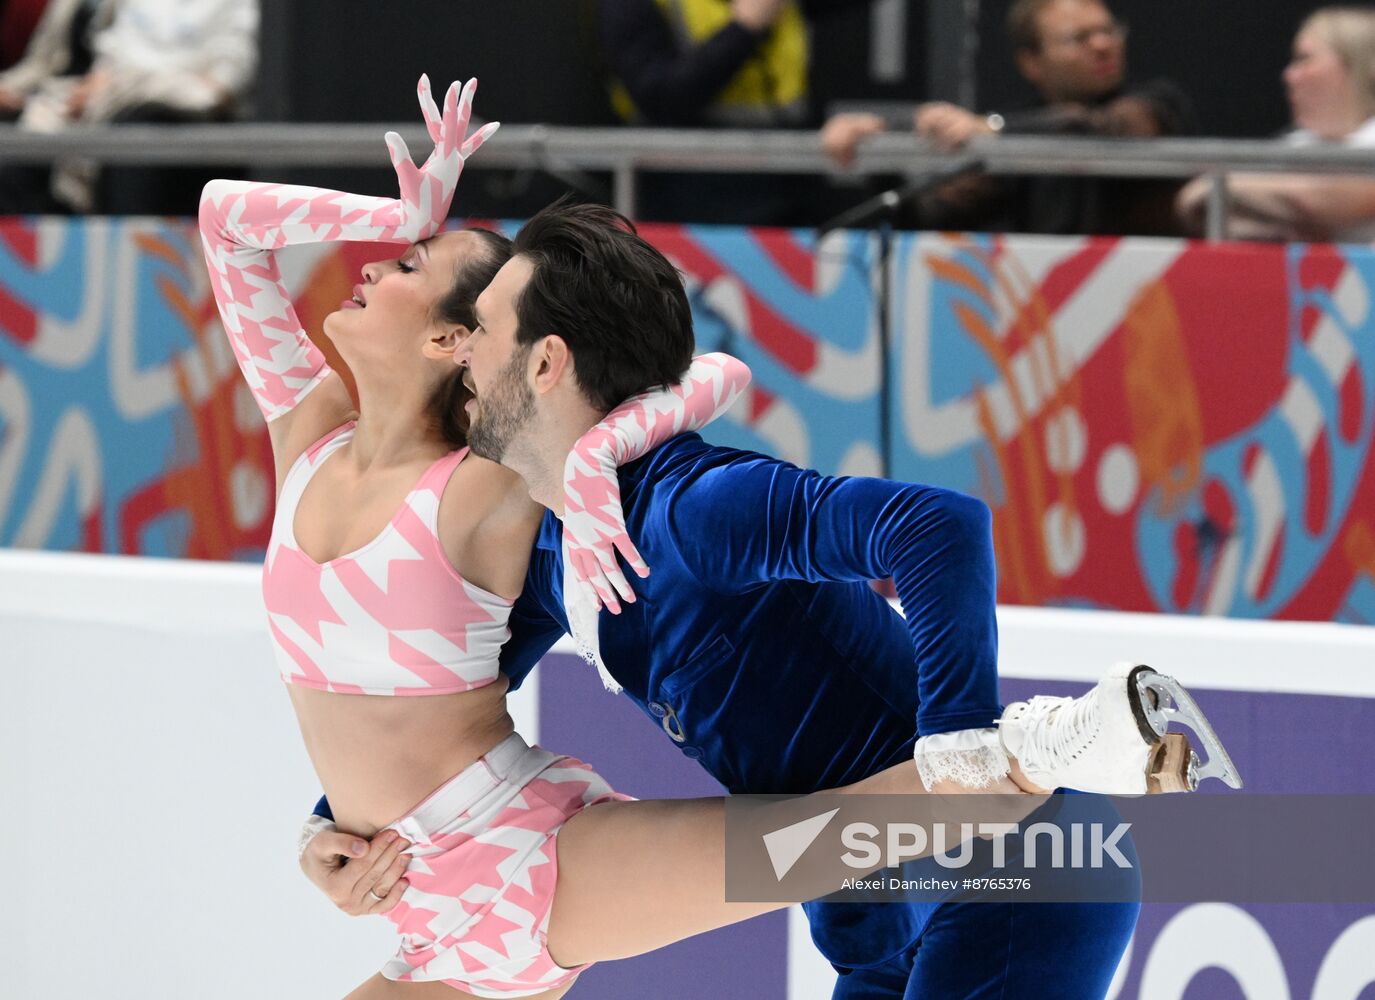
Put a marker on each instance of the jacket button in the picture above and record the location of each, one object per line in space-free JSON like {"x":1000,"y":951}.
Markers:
{"x":692,"y":753}
{"x":657,"y":710}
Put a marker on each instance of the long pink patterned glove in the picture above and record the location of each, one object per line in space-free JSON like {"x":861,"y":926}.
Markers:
{"x":243,"y":222}
{"x":427,"y":191}
{"x":593,"y":523}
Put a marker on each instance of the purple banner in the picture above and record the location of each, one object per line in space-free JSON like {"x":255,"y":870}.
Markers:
{"x":1282,"y":743}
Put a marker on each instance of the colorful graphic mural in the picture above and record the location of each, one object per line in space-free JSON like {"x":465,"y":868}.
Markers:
{"x":1157,"y":425}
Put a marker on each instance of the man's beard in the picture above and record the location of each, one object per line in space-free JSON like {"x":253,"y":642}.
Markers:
{"x":502,"y":411}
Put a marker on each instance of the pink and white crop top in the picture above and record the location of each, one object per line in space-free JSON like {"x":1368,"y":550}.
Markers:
{"x":390,"y":618}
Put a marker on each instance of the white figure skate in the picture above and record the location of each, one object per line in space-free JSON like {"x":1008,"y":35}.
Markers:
{"x":1116,"y":740}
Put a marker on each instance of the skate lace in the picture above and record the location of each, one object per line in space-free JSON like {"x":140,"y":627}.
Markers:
{"x":1058,"y":730}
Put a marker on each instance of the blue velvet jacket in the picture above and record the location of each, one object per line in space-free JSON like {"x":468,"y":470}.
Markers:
{"x":759,"y":646}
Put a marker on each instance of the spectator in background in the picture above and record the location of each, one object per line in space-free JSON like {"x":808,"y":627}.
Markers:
{"x":713,"y":64}
{"x":722,"y":63}
{"x":18,"y":19}
{"x":104,"y":61}
{"x":58,"y":46}
{"x":1073,"y":52}
{"x":1331,"y":86}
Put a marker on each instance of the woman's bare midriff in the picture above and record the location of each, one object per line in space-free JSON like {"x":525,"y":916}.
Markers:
{"x":379,"y":756}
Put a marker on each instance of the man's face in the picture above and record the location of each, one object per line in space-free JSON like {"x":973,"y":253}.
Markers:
{"x":1082,"y":56}
{"x":503,"y":403}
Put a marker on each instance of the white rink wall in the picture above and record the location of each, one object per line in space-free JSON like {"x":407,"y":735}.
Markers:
{"x":153,"y":784}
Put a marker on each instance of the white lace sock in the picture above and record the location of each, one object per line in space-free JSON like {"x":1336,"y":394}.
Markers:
{"x":971,"y":758}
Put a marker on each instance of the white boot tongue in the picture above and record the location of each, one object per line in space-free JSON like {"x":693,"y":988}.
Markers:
{"x":1071,"y":725}
{"x":1093,"y":743}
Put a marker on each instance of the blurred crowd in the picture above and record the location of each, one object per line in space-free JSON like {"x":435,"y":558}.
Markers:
{"x":1074,"y":53}
{"x":740,"y":64}
{"x":79,"y":62}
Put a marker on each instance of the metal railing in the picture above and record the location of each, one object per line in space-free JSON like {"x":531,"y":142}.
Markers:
{"x":625,"y":152}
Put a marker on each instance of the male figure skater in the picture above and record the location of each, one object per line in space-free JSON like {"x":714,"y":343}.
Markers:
{"x":756,"y":642}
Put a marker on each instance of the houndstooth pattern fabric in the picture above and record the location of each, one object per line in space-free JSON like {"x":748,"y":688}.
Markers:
{"x":390,"y":618}
{"x":482,"y":875}
{"x":593,"y":523}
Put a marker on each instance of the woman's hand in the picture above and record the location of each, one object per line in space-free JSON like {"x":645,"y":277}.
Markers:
{"x":593,"y":522}
{"x":87,"y":89}
{"x":427,"y":191}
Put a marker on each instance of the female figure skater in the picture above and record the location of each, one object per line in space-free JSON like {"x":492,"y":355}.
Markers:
{"x":394,"y":560}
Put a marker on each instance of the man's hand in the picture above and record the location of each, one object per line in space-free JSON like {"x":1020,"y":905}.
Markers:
{"x":949,"y":126}
{"x":757,"y":15}
{"x":358,"y":877}
{"x":841,"y":136}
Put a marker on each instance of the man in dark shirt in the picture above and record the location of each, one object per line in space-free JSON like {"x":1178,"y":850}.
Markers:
{"x":1074,"y":53}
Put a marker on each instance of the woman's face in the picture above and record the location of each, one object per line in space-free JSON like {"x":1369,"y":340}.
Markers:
{"x":391,"y":314}
{"x":1322,"y":93}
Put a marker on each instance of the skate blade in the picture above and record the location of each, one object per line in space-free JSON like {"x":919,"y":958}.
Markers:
{"x":1173,"y":766}
{"x":1163,"y":700}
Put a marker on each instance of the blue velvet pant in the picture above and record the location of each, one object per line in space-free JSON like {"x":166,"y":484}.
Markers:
{"x":1066,"y":948}
{"x":1003,"y":951}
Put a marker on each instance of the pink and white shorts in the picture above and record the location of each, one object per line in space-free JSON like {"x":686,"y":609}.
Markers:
{"x":483,"y":869}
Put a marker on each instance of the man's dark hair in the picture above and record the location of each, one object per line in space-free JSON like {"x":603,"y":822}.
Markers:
{"x":1021,"y":25}
{"x":614,"y":299}
{"x":456,"y":306}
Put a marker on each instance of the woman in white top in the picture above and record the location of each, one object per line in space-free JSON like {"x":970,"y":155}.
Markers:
{"x":1331,"y":86}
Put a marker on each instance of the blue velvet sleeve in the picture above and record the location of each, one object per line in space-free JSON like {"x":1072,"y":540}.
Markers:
{"x":533,"y":628}
{"x":759,"y":519}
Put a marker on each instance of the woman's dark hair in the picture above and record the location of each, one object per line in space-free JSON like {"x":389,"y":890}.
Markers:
{"x":615,"y":300}
{"x":456,"y":307}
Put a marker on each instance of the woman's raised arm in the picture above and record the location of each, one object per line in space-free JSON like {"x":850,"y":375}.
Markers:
{"x":242,"y":223}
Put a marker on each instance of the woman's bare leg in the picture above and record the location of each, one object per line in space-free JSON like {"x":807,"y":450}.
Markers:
{"x":379,"y":987}
{"x":636,"y":876}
